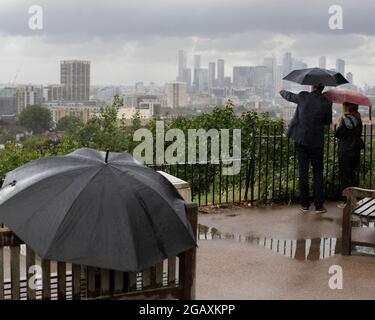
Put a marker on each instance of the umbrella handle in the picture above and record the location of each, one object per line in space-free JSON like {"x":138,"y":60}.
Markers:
{"x":106,"y":156}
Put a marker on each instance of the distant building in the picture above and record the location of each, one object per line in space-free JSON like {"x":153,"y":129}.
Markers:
{"x":220,"y":72}
{"x":8,"y":102}
{"x":28,"y":96}
{"x":54,"y":92}
{"x":81,"y":111}
{"x":323,"y":62}
{"x":350,"y":77}
{"x":243,"y":76}
{"x":211,"y":75}
{"x":176,"y":94}
{"x":340,"y":66}
{"x":75,"y":77}
{"x":182,"y":64}
{"x":186,"y":77}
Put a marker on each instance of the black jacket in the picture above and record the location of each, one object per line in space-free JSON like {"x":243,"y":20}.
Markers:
{"x":349,"y":134}
{"x":313,"y":113}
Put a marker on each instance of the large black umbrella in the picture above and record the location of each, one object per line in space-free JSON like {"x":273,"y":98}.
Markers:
{"x":315,"y":76}
{"x":96,"y":209}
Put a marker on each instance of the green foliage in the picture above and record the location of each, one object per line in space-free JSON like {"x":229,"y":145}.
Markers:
{"x":36,"y":118}
{"x":69,"y":124}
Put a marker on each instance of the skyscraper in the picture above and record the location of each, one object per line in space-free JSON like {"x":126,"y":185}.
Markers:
{"x":197,"y":61}
{"x":287,"y":63}
{"x":211,"y":75}
{"x":75,"y":77}
{"x":323,"y":62}
{"x":182,"y":64}
{"x":349,"y":77}
{"x":340,"y":66}
{"x":243,"y":76}
{"x":220,"y":72}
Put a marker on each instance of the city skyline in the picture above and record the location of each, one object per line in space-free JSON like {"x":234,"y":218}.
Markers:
{"x":142,"y":44}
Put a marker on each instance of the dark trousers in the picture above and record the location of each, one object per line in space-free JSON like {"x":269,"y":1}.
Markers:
{"x":313,"y":155}
{"x":348,"y":165}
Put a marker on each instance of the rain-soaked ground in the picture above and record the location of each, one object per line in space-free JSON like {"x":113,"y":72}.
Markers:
{"x":275,"y":252}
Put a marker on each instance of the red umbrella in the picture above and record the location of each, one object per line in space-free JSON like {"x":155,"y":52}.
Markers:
{"x":341,"y":96}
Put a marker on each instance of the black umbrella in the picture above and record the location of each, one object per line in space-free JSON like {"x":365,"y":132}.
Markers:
{"x":316,"y":76}
{"x":96,"y":209}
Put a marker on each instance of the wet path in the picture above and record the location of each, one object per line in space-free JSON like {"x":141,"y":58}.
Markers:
{"x":277,"y":253}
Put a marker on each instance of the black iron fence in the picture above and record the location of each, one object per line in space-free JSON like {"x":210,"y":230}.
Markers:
{"x":269,"y":170}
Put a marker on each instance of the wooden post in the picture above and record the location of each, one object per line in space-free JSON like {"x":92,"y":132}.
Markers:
{"x":15,"y":271}
{"x":91,"y":283}
{"x":104,"y":282}
{"x":171,"y":270}
{"x":30,"y":261}
{"x":61,"y":280}
{"x":187,"y":266}
{"x":1,"y":273}
{"x":46,"y":276}
{"x":76,"y":282}
{"x":118,"y":282}
{"x":346,"y":239}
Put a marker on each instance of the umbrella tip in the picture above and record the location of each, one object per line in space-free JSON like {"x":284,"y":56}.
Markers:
{"x":106,"y":156}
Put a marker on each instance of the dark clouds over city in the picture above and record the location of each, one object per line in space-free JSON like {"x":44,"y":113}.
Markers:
{"x":129,"y":41}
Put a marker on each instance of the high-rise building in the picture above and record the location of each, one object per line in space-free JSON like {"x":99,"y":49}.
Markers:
{"x":340,"y":66}
{"x":287,"y":67}
{"x":182,"y":64}
{"x":323,"y":62}
{"x":8,"y":102}
{"x":31,"y":96}
{"x":349,"y":77}
{"x":220,"y":72}
{"x":176,"y":94}
{"x":243,"y":76}
{"x":201,"y":81}
{"x":287,"y":63}
{"x":197,"y":61}
{"x":186,"y":77}
{"x":75,"y":76}
{"x":211,"y":75}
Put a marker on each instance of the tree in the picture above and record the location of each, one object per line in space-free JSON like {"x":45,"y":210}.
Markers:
{"x":36,"y":118}
{"x":70,"y":124}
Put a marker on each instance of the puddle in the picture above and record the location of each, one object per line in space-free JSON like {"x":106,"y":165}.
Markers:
{"x":303,"y":249}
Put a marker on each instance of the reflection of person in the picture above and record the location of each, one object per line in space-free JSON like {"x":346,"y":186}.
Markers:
{"x":349,"y":131}
{"x":313,"y":112}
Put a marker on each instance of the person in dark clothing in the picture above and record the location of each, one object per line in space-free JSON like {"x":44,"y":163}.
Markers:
{"x":313,"y":113}
{"x":349,"y":131}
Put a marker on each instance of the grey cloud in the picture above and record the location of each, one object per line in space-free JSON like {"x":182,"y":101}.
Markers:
{"x":208,"y":18}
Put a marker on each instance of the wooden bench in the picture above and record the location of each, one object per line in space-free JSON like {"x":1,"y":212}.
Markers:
{"x":173,"y":278}
{"x":360,"y":203}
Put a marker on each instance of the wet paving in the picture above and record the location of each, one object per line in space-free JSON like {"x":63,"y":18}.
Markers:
{"x":298,"y":249}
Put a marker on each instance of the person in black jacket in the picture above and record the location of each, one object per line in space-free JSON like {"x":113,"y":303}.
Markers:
{"x":313,"y":113}
{"x":349,"y":131}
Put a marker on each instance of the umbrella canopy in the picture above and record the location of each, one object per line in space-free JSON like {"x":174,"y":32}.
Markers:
{"x":96,"y":209}
{"x":341,"y":96}
{"x":315,"y":76}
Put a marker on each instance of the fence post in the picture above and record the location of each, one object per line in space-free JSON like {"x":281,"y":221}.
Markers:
{"x":187,"y":265}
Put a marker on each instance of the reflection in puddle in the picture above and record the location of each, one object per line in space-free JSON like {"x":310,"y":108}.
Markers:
{"x":303,"y":249}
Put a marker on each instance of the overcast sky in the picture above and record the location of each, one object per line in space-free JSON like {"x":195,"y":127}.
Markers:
{"x":138,"y":40}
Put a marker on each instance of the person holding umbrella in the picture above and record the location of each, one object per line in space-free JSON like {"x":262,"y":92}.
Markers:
{"x":312,"y":114}
{"x":349,"y":131}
